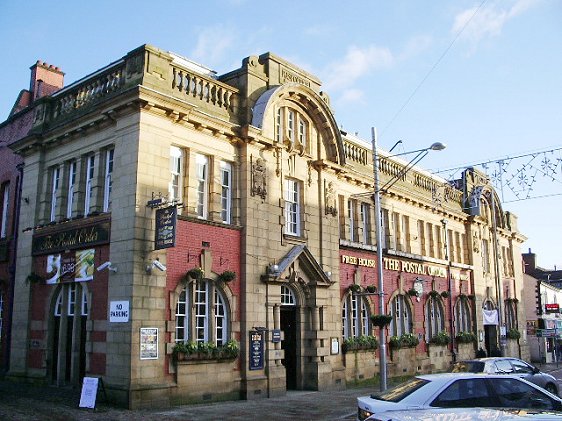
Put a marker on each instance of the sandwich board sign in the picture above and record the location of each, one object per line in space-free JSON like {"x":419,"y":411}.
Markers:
{"x":89,"y":392}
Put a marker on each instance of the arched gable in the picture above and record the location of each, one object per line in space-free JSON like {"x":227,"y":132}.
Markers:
{"x":310,"y":103}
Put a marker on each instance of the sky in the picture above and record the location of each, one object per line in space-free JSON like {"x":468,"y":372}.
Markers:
{"x":482,"y":76}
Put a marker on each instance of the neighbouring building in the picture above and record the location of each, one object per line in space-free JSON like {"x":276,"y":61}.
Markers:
{"x":162,"y":204}
{"x":543,"y":298}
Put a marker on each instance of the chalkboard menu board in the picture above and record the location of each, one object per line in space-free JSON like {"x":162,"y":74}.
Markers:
{"x":166,"y":227}
{"x":256,"y":350}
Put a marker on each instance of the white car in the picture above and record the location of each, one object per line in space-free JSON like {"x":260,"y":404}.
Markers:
{"x":459,"y":390}
{"x":466,"y":414}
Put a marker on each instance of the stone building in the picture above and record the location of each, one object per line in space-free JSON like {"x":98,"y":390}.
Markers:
{"x":163,"y":204}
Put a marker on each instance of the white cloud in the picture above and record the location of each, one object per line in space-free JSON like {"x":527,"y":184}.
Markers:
{"x":357,"y":63}
{"x":213,"y":44}
{"x":351,"y":96}
{"x":488,"y":21}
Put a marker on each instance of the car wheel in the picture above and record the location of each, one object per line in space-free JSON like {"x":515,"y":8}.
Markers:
{"x":552,"y":389}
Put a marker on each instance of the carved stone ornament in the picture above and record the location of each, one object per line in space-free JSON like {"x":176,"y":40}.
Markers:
{"x":475,"y":242}
{"x":330,"y":195}
{"x":259,"y":179}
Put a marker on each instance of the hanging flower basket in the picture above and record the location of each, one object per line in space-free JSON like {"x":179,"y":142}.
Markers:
{"x":195,"y":273}
{"x":33,"y":278}
{"x":355,"y":288}
{"x":412,"y":292}
{"x":381,"y":320}
{"x":227,"y":276}
{"x":513,"y":334}
{"x":433,"y":294}
{"x":371,"y":289}
{"x":445,"y":294}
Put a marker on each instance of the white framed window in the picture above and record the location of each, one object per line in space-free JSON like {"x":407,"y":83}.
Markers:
{"x":303,"y":133}
{"x":175,"y":187}
{"x":108,"y":184}
{"x":279,"y":126}
{"x":510,"y":314}
{"x":54,"y":192}
{"x":355,"y":316}
{"x":71,"y":292}
{"x":462,"y":316}
{"x":287,"y":296}
{"x":226,"y":192}
{"x":401,"y":316}
{"x":5,"y":206}
{"x":292,"y":207}
{"x":71,"y":188}
{"x":202,"y":175}
{"x":202,"y":314}
{"x":291,"y":125}
{"x":434,"y":316}
{"x":89,"y":193}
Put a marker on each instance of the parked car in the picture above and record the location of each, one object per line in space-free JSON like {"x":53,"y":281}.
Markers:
{"x":459,"y":390}
{"x":508,"y":365}
{"x":467,"y":414}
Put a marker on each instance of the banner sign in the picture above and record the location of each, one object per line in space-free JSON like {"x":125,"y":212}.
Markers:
{"x":256,"y":350}
{"x":166,"y":227}
{"x":70,"y":239}
{"x":72,"y":266}
{"x":552,"y":308}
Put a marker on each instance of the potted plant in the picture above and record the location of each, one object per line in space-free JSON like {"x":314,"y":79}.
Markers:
{"x":381,"y":320}
{"x":227,"y":276}
{"x":180,"y":351}
{"x":230,"y":349}
{"x":371,"y":289}
{"x":445,"y":294}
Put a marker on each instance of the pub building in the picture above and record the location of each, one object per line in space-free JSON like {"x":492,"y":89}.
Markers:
{"x":189,"y":237}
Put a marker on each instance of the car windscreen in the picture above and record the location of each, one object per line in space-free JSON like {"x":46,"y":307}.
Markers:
{"x":399,"y":392}
{"x":468,"y":367}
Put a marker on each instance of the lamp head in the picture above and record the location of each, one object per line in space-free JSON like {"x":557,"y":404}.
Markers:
{"x":437,"y":146}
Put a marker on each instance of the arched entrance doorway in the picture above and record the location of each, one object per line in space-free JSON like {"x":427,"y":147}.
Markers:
{"x":289,"y":342}
{"x":69,"y":313}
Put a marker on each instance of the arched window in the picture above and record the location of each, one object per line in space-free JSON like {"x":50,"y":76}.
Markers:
{"x":462,"y":316}
{"x":434,"y":316}
{"x":401,"y":316}
{"x":355,"y":316}
{"x":292,"y":126}
{"x":202,"y":314}
{"x":287,"y":296}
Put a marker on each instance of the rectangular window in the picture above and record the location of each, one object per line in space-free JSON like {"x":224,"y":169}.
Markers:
{"x":291,"y":125}
{"x":176,"y":175}
{"x":202,"y":168}
{"x":351,"y":219}
{"x":5,"y":206}
{"x":108,"y":180}
{"x":421,"y":236}
{"x":485,"y":256}
{"x":385,"y":225}
{"x":54,"y":192}
{"x":292,"y":207}
{"x":430,"y":240}
{"x":303,"y":133}
{"x":366,"y":222}
{"x":201,"y":312}
{"x":458,"y":247}
{"x":405,"y":233}
{"x":89,"y":193}
{"x":226,"y":192}
{"x":71,"y":187}
{"x":279,"y":125}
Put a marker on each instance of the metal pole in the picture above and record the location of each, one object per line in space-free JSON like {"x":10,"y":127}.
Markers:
{"x":497,"y":274}
{"x":378,"y":223}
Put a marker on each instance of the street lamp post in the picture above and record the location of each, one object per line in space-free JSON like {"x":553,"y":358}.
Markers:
{"x":437,"y":146}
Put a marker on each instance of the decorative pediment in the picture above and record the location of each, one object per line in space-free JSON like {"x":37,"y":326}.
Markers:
{"x":298,"y":266}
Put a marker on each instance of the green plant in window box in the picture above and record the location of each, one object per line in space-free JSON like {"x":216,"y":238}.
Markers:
{"x":513,"y":334}
{"x":442,"y":338}
{"x":349,"y":344}
{"x":227,"y":276}
{"x":465,"y":337}
{"x":231,"y":349}
{"x":381,"y":320}
{"x":407,"y":340}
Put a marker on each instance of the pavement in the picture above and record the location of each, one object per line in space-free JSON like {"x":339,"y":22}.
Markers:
{"x":28,"y":402}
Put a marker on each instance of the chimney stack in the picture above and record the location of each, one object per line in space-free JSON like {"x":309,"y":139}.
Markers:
{"x":46,"y":79}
